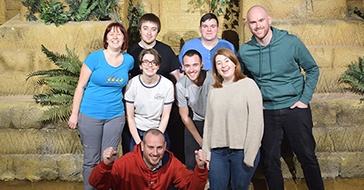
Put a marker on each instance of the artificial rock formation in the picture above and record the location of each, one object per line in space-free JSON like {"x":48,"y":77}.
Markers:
{"x":33,"y":151}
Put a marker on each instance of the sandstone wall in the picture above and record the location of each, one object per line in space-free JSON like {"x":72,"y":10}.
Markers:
{"x":8,"y":9}
{"x":333,"y":39}
{"x":31,"y":151}
{"x":35,"y":152}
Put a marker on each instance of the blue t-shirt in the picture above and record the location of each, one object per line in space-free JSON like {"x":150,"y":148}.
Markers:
{"x":103,"y":96}
{"x":207,"y":55}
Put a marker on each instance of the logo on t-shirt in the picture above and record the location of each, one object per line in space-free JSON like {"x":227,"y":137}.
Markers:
{"x":159,"y":96}
{"x":113,"y":79}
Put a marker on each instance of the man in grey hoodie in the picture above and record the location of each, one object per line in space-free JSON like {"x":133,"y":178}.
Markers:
{"x":275,"y":59}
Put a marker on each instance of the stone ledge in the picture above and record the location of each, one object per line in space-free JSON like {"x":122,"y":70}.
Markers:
{"x":67,"y":167}
{"x":55,"y":141}
{"x":34,"y":152}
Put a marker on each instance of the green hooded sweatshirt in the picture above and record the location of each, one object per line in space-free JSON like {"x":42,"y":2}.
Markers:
{"x":276,"y":69}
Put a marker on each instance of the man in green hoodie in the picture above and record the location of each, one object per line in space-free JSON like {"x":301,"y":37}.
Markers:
{"x":275,"y":59}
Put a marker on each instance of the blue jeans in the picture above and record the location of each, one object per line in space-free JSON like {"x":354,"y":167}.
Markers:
{"x":227,"y":164}
{"x":296,"y":125}
{"x":97,"y":135}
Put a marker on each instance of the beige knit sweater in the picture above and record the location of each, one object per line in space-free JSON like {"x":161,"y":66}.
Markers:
{"x":234,"y":119}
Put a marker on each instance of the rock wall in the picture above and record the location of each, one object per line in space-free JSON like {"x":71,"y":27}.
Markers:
{"x":32,"y":151}
{"x":334,"y":39}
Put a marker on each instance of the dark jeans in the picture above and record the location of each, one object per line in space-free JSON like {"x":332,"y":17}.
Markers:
{"x":191,"y":145}
{"x":297,"y":125}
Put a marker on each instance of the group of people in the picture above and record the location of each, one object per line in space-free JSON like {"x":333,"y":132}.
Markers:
{"x":231,"y":120}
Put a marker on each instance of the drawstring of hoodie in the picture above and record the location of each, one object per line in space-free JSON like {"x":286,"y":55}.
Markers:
{"x":261,"y":60}
{"x":270,"y":61}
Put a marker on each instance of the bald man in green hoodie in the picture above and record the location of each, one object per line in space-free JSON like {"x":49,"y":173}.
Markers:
{"x":275,"y":59}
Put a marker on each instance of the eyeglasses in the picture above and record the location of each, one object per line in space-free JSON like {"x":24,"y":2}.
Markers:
{"x":147,"y":63}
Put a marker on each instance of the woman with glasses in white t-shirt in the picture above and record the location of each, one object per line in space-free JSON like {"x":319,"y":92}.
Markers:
{"x":148,"y":98}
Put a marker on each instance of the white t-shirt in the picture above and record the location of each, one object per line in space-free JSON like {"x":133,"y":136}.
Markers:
{"x":149,"y":101}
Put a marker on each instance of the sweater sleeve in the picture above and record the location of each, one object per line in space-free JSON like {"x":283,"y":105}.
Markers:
{"x":255,"y":126}
{"x":100,"y":177}
{"x":185,"y":179}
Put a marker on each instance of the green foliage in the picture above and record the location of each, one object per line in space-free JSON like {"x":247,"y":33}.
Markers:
{"x":62,"y":82}
{"x":354,"y":77}
{"x":106,"y":10}
{"x":356,"y":11}
{"x":80,"y":11}
{"x":52,"y":12}
{"x":214,"y":6}
{"x":134,"y":14}
{"x":33,"y":7}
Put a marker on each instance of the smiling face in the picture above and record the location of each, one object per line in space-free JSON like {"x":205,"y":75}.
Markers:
{"x":149,"y":65}
{"x":258,"y":23}
{"x":115,"y":38}
{"x":153,"y":148}
{"x":148,"y":32}
{"x":225,"y":68}
{"x":192,"y":66}
{"x":209,"y":30}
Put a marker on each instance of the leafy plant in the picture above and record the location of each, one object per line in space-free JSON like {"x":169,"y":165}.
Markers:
{"x":62,"y":83}
{"x":354,"y":77}
{"x":33,"y":6}
{"x":81,"y":10}
{"x":214,"y":6}
{"x":134,"y":14}
{"x":52,"y":12}
{"x":356,"y":11}
{"x":105,"y":9}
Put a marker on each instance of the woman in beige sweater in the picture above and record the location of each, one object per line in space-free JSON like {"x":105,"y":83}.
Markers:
{"x":233,"y":124}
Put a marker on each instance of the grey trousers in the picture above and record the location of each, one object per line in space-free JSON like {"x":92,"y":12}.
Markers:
{"x":191,"y":145}
{"x":97,"y":135}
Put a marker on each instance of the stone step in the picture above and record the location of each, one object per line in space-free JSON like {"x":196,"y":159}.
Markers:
{"x":36,"y":167}
{"x":31,"y":151}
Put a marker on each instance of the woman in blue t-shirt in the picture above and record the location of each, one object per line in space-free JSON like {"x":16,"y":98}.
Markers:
{"x":98,"y":109}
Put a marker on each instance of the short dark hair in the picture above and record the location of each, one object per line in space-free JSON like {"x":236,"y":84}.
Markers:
{"x":157,"y":57}
{"x":209,"y":16}
{"x":151,"y":18}
{"x":122,"y":29}
{"x":191,"y":53}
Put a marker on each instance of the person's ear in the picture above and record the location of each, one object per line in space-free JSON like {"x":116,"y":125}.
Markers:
{"x":142,"y":145}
